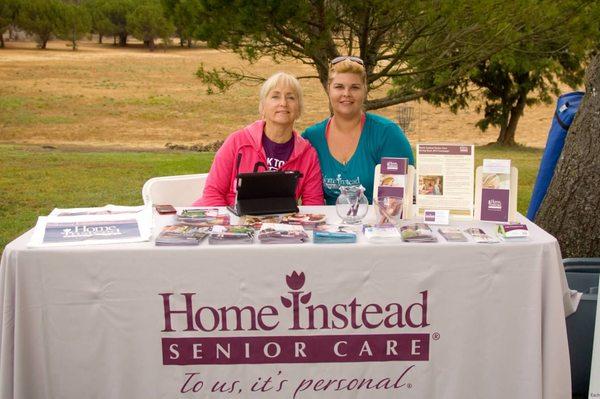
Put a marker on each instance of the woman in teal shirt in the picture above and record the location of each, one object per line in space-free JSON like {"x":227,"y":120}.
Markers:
{"x":351,"y":142}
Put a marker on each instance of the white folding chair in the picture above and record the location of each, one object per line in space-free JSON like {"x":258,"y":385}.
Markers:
{"x":180,"y":190}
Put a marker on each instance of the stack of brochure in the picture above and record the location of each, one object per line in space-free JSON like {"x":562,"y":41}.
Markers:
{"x":203,"y":217}
{"x":256,"y":221}
{"x":181,"y":234}
{"x":513,"y":232}
{"x":452,"y":234}
{"x":381,"y":233}
{"x":307,"y":220}
{"x":417,"y":232}
{"x":480,"y":236}
{"x":231,"y":235}
{"x":277,"y":233}
{"x":328,"y":233}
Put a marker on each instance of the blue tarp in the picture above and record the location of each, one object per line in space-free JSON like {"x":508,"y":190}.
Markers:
{"x":566,"y":108}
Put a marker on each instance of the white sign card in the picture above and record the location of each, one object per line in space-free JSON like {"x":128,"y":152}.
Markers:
{"x":445,"y":178}
{"x":441,"y":216}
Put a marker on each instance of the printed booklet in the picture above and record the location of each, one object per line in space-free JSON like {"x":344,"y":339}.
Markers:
{"x":256,"y":221}
{"x":181,"y":234}
{"x":417,"y":232}
{"x":381,"y":233}
{"x":480,"y":236}
{"x":513,"y":232}
{"x":452,"y":234}
{"x":231,"y":235}
{"x":205,"y":217}
{"x":329,"y":233}
{"x":278,"y":233}
{"x":307,"y":220}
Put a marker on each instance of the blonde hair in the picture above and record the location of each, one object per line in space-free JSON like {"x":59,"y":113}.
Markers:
{"x":347,"y":66}
{"x":284,"y":79}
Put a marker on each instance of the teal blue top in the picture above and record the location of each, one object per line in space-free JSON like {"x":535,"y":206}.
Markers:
{"x":379,"y":138}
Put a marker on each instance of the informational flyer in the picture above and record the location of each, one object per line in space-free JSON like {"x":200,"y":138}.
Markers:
{"x":92,"y":228}
{"x":393,"y":177}
{"x":445,"y":178}
{"x":495,"y":190}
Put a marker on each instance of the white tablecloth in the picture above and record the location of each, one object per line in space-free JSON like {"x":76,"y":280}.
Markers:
{"x":445,"y":320}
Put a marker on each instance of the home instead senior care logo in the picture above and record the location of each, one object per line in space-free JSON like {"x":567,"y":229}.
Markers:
{"x":300,"y":344}
{"x":494,"y":205}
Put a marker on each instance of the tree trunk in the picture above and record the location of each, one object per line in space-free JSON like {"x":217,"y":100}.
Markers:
{"x":508,"y":130}
{"x":2,"y":40}
{"x":100,"y":38}
{"x":503,"y":123}
{"x":44,"y":41}
{"x":114,"y":40}
{"x":122,"y":39}
{"x":570,"y":209}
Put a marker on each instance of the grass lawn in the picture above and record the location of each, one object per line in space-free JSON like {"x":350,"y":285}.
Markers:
{"x":34,"y":180}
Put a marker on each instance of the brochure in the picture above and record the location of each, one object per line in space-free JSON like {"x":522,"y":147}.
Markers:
{"x":495,"y":190}
{"x":231,"y":235}
{"x":92,"y":229}
{"x":445,"y":178}
{"x":417,"y":232}
{"x":452,"y":234}
{"x":480,"y":236}
{"x":278,"y":233}
{"x":513,"y":232}
{"x":329,"y":233}
{"x":204,"y":217}
{"x":392,"y":179}
{"x":256,"y":221}
{"x":381,"y":234}
{"x":307,"y":220}
{"x":181,"y":234}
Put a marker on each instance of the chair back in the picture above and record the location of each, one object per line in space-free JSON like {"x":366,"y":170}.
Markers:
{"x":180,"y":190}
{"x":582,"y":275}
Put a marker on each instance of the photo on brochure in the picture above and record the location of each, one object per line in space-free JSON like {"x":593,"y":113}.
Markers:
{"x":496,"y":181}
{"x":431,"y":185}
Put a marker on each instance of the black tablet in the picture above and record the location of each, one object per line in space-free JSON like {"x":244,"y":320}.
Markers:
{"x":264,"y":193}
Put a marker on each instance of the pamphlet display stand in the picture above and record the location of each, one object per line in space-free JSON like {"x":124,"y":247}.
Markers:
{"x":512,"y":196}
{"x":407,"y":199}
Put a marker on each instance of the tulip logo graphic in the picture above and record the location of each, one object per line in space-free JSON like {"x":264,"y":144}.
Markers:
{"x":295,"y":281}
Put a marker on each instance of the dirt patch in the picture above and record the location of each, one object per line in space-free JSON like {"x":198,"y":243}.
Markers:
{"x":129,"y":98}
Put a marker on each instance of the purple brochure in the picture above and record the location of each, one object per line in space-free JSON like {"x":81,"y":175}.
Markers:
{"x":494,"y":204}
{"x":393,"y":172}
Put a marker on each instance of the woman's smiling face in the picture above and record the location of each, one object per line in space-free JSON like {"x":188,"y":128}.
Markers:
{"x":347,"y":94}
{"x":281,"y":106}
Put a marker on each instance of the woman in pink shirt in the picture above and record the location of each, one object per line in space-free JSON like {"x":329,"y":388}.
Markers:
{"x":271,"y":143}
